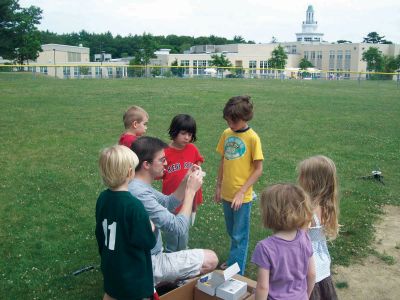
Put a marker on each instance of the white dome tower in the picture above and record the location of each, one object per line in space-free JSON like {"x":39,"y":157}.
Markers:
{"x":309,"y":28}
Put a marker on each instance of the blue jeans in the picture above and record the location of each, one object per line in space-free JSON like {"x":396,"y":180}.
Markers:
{"x":238,"y":227}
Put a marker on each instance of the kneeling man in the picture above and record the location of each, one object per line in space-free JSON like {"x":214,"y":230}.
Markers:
{"x":176,"y":265}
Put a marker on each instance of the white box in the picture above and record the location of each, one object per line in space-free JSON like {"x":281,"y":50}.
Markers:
{"x":231,"y":289}
{"x":210,"y":282}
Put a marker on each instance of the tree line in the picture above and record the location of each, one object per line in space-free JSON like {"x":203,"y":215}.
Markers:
{"x":131,"y":45}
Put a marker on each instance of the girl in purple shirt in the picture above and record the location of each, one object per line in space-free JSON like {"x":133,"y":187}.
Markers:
{"x":286,"y":268}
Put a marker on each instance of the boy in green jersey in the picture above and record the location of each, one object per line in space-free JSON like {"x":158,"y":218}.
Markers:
{"x":124,"y":232}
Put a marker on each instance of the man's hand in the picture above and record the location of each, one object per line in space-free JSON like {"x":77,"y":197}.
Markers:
{"x":192,"y":169}
{"x":195,"y":180}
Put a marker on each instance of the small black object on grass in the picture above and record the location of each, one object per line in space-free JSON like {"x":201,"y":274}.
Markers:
{"x":377,"y":175}
{"x":84,"y":269}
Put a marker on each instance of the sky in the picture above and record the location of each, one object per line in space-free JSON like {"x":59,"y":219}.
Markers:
{"x":256,"y":20}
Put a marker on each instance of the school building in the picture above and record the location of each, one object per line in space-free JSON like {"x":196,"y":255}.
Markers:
{"x":330,"y":59}
{"x":335,"y":59}
{"x":65,"y":61}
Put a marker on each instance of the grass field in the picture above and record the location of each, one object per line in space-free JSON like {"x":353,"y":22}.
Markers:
{"x":52,"y":131}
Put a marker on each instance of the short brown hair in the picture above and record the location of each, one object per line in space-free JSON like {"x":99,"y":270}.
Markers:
{"x":115,"y":163}
{"x":285,"y":206}
{"x":239,"y":108}
{"x":133,"y":113}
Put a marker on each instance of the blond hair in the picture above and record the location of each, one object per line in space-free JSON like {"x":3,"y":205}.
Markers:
{"x":133,"y":113}
{"x":317,"y":176}
{"x":115,"y":163}
{"x":285,"y":206}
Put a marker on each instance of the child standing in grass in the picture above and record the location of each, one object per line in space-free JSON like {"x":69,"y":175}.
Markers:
{"x":317,"y":176}
{"x":286,"y":268}
{"x":240,"y":167}
{"x":123,"y":229}
{"x":135,"y":122}
{"x":181,"y":155}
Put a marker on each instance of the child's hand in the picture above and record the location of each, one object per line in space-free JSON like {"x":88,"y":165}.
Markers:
{"x":217,"y":195}
{"x":237,"y":200}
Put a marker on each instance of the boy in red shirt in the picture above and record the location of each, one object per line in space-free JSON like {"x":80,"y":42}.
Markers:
{"x":135,"y":122}
{"x":181,"y":155}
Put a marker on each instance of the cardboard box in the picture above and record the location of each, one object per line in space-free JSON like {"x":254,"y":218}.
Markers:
{"x":189,"y":291}
{"x":211,"y":281}
{"x":232,"y":289}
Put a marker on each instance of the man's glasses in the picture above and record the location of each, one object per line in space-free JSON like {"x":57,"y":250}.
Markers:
{"x":161,"y":160}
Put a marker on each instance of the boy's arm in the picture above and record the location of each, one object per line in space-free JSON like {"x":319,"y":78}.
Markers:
{"x":262,"y":287}
{"x":239,"y":196}
{"x":311,"y":276}
{"x":217,"y":196}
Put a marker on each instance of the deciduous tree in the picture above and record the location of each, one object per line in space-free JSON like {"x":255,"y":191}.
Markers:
{"x":278,"y":58}
{"x":19,"y":36}
{"x":374,"y":58}
{"x":305,"y":63}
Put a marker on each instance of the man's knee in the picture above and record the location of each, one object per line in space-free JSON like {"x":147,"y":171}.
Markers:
{"x":210,"y":261}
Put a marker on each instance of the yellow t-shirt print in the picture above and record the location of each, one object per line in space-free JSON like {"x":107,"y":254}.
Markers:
{"x":234,"y":148}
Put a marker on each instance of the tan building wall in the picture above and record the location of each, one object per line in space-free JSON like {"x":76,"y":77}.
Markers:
{"x":74,"y":62}
{"x":343,"y":60}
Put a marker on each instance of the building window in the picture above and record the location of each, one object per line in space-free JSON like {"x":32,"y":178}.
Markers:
{"x":43,"y":70}
{"x":319,"y":60}
{"x":299,"y":39}
{"x":339,"y":58}
{"x":118,"y":72}
{"x":199,"y":66}
{"x":307,"y":39}
{"x":185,"y":63}
{"x":67,"y":72}
{"x":306,"y":55}
{"x":331,"y":60}
{"x":195,"y":67}
{"x":97,"y":71}
{"x":347,"y":63}
{"x":312,"y":55}
{"x":263,"y":65}
{"x":252,"y":67}
{"x":76,"y":71}
{"x":110,"y":72}
{"x":74,"y":57}
{"x":294,"y":49}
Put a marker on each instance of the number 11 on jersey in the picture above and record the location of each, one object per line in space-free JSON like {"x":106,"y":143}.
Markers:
{"x":109,"y":242}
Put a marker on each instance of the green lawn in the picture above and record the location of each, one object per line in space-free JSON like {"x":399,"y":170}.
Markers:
{"x":52,"y":131}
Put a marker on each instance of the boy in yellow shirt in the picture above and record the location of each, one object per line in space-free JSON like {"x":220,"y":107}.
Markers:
{"x":241,"y":166}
